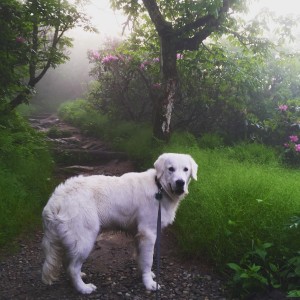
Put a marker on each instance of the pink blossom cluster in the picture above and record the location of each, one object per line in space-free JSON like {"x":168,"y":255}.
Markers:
{"x":292,"y":143}
{"x":109,"y":58}
{"x":144,"y":65}
{"x":179,"y":56}
{"x":156,"y":86}
{"x":294,"y":138}
{"x":283,"y":107}
{"x":20,"y":40}
{"x":95,"y":54}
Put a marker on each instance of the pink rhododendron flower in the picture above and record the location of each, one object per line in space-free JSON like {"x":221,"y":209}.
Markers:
{"x":283,"y":107}
{"x":144,"y":65}
{"x":156,"y":85}
{"x":109,"y":58}
{"x":156,"y":59}
{"x":286,"y":145}
{"x":179,"y":56}
{"x":95,"y":54}
{"x":20,"y":39}
{"x":294,"y":138}
{"x":297,"y":147}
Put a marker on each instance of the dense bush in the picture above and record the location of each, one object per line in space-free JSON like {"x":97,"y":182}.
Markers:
{"x":281,"y":130}
{"x":126,"y":85}
{"x":225,"y":90}
{"x":25,"y":172}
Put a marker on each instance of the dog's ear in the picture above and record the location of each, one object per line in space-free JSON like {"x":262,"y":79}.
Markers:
{"x":159,"y":166}
{"x":194,"y":168}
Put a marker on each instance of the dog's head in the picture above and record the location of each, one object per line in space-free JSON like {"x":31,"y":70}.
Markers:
{"x":174,"y":172}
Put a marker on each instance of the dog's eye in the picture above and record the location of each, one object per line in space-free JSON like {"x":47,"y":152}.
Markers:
{"x":171,"y":169}
{"x":185,"y":169}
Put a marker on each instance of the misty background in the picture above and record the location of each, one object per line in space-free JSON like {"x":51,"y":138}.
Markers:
{"x":70,"y":80}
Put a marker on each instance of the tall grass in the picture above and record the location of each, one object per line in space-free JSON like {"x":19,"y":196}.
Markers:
{"x":25,"y":171}
{"x":235,"y":204}
{"x":242,"y":195}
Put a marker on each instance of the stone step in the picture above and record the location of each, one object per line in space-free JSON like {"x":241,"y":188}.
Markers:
{"x":81,"y":156}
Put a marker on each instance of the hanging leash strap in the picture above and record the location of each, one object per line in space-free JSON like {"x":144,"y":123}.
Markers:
{"x":158,"y":197}
{"x":158,"y":249}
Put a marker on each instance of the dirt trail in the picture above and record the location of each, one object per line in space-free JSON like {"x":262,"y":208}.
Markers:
{"x":111,"y":265}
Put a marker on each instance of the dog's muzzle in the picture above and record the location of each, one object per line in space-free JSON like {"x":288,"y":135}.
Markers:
{"x":179,"y":187}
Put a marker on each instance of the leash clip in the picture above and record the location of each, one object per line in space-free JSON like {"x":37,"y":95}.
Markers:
{"x":159,"y":194}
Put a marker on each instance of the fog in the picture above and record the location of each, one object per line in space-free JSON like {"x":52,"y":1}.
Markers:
{"x":70,"y":80}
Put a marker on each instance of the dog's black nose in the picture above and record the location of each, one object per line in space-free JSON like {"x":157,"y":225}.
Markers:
{"x":180,"y":183}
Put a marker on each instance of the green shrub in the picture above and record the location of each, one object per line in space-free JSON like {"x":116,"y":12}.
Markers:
{"x":260,"y":271}
{"x":25,"y":171}
{"x":210,"y":141}
{"x":55,"y":132}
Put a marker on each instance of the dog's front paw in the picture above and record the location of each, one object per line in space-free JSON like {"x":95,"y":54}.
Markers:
{"x":88,"y":288}
{"x":151,"y":286}
{"x":149,"y":283}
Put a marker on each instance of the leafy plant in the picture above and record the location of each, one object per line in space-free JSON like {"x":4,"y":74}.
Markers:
{"x":255,"y":274}
{"x":263,"y":268}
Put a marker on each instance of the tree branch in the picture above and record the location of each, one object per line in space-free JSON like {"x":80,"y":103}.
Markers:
{"x":209,"y":23}
{"x":162,"y":26}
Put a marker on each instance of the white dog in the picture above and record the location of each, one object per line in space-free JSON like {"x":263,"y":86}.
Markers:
{"x":82,"y":207}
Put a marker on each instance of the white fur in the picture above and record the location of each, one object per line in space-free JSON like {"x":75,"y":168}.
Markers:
{"x":83,"y":206}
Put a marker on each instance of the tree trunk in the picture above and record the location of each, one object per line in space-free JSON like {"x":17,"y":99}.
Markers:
{"x":164,"y":105}
{"x":19,"y":99}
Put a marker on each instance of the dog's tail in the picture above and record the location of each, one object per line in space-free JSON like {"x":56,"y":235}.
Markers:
{"x":53,"y":251}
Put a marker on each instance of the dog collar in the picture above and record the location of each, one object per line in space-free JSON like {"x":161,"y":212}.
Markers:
{"x":158,"y":195}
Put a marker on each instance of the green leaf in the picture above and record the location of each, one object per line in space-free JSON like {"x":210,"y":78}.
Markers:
{"x":255,"y":268}
{"x":234,"y":267}
{"x":293,"y":293}
{"x":297,"y":271}
{"x":273,"y":267}
{"x":261,"y":253}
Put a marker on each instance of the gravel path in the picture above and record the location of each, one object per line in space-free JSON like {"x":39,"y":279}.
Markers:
{"x":112,"y":268}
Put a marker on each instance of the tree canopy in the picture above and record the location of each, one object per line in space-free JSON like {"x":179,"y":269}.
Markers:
{"x":32,"y":41}
{"x":168,"y":28}
{"x":180,"y":26}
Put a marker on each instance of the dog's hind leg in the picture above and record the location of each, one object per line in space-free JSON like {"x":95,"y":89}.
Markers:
{"x":78,"y":251}
{"x":74,"y":270}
